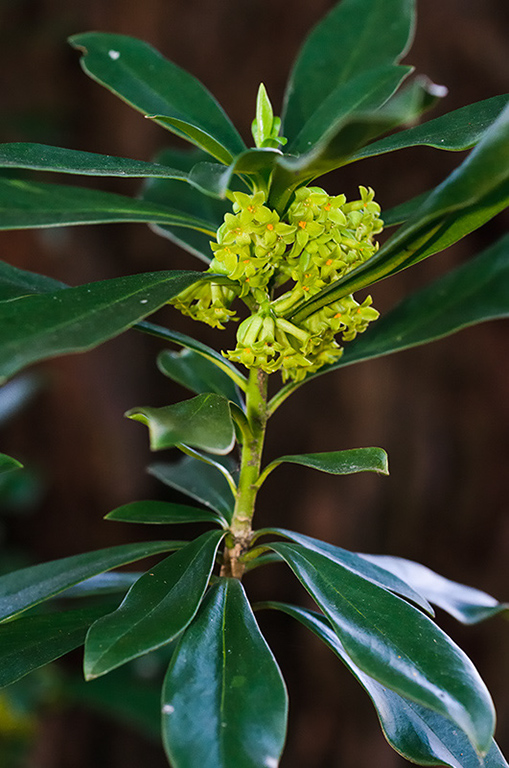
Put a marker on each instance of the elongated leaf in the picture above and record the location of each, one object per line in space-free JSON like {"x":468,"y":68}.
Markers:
{"x":103,"y":584}
{"x":202,"y":482}
{"x":33,"y":641}
{"x":162,"y":512}
{"x":378,"y":575}
{"x":29,"y":586}
{"x":29,"y":204}
{"x":155,"y":610}
{"x":197,"y":136}
{"x":198,"y":374}
{"x":147,"y":81}
{"x":457,"y":130}
{"x":404,"y":211}
{"x":337,"y":462}
{"x":224,"y":700}
{"x":19,"y":282}
{"x":353,"y":38}
{"x":202,"y":422}
{"x":417,"y":733}
{"x":396,"y":644}
{"x":466,"y":604}
{"x":37,"y":327}
{"x":8,"y":464}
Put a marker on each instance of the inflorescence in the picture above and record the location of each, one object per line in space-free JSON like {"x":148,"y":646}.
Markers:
{"x":322,"y":238}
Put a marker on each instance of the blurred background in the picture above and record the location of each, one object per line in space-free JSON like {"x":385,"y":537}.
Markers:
{"x":441,"y":412}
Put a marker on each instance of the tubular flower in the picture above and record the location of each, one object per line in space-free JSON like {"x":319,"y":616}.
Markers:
{"x":322,"y":238}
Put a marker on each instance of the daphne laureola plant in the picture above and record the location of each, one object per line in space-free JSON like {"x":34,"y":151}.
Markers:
{"x":284,"y":259}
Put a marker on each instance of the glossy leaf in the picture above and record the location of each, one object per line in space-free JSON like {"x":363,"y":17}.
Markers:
{"x":103,"y":584}
{"x":417,"y":733}
{"x":37,"y":327}
{"x":337,"y":462}
{"x":155,"y":610}
{"x":472,"y":194}
{"x":466,"y":604}
{"x":162,"y":512}
{"x":147,"y":81}
{"x":202,"y":422}
{"x":8,"y":464}
{"x":202,"y":482}
{"x":31,"y":642}
{"x":357,"y":564}
{"x":457,"y":130}
{"x":197,"y":136}
{"x":396,"y":644}
{"x":198,"y":374}
{"x":16,"y":282}
{"x":27,"y":587}
{"x":29,"y":204}
{"x":354,"y":37}
{"x":224,"y":700}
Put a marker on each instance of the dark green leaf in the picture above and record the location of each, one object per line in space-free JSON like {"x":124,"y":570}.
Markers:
{"x":147,"y":81}
{"x":33,"y":641}
{"x":8,"y":464}
{"x":401,"y":213}
{"x":162,"y":512}
{"x":357,"y":564}
{"x":18,"y":282}
{"x":354,"y":37}
{"x":198,"y":374}
{"x":197,"y":136}
{"x":202,"y":482}
{"x":466,"y":604}
{"x":29,"y":586}
{"x":36,"y":327}
{"x":202,"y":422}
{"x":417,"y":733}
{"x":337,"y":462}
{"x":103,"y":584}
{"x":396,"y":644}
{"x":29,"y":204}
{"x":155,"y":610}
{"x":224,"y":700}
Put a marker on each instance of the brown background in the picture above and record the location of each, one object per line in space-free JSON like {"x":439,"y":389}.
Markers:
{"x":441,"y":411}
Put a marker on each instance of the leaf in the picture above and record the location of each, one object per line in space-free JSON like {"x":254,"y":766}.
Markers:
{"x":417,"y":733}
{"x":8,"y":464}
{"x":162,"y":512}
{"x":142,"y":77}
{"x":27,"y":587}
{"x":457,"y":130}
{"x":396,"y":644}
{"x":197,"y":136}
{"x":29,"y":204}
{"x":337,"y":462}
{"x":37,"y":327}
{"x":33,"y":641}
{"x":466,"y":604}
{"x":224,"y":700}
{"x":355,"y":36}
{"x":198,"y":374}
{"x":155,"y":610}
{"x":378,"y":575}
{"x":202,"y":482}
{"x":18,"y":282}
{"x":202,"y":422}
{"x":103,"y":584}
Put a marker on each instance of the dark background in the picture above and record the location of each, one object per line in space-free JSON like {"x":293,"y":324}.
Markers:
{"x":441,"y":411}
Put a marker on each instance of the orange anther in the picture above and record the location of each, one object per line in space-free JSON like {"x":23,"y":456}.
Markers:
{"x":270,"y":226}
{"x":302,"y":224}
{"x":327,"y":207}
{"x":328,"y":262}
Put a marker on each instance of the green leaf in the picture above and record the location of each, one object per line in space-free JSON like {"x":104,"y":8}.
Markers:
{"x":162,"y":512}
{"x":404,"y":211}
{"x":33,"y":641}
{"x":355,"y":37}
{"x":197,"y":136}
{"x":197,"y":373}
{"x":356,"y":563}
{"x":18,"y":282}
{"x":202,"y":482}
{"x":457,"y":130}
{"x":466,"y":604}
{"x":142,"y":77}
{"x":8,"y":464}
{"x":29,"y":204}
{"x":202,"y":422}
{"x":102,"y":584}
{"x":37,"y":327}
{"x":417,"y":733}
{"x":224,"y":700}
{"x":29,"y":586}
{"x":396,"y":644}
{"x":337,"y":462}
{"x":155,"y":610}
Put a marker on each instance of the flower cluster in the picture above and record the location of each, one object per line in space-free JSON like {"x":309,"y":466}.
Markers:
{"x":322,"y":238}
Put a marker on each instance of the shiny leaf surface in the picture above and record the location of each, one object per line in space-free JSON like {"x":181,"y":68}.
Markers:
{"x":162,"y":512}
{"x":224,"y":700}
{"x":155,"y":610}
{"x":198,"y":374}
{"x":16,"y":282}
{"x":396,"y":644}
{"x":197,"y":136}
{"x":338,"y":462}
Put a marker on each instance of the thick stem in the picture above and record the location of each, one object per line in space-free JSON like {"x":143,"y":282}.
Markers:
{"x":240,"y":529}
